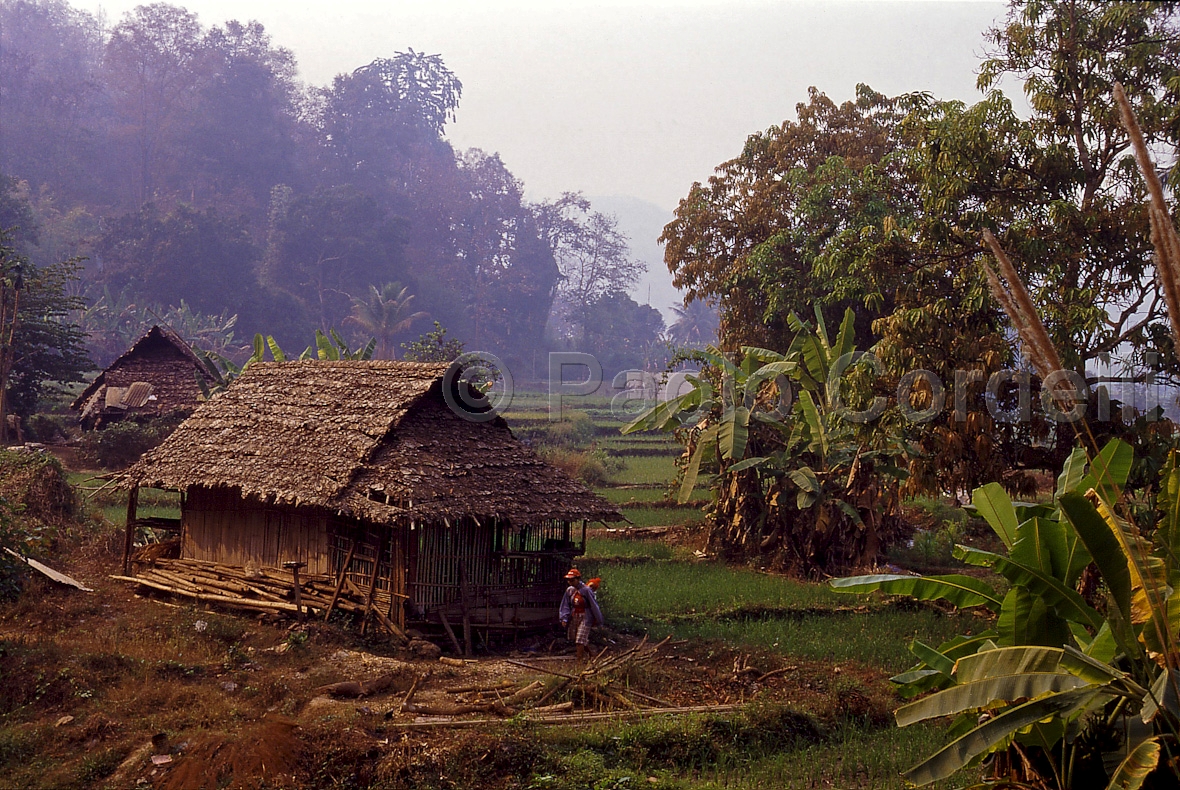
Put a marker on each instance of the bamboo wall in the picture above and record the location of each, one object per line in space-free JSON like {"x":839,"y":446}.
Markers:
{"x":221,"y":526}
{"x":503,"y":579}
{"x":497,"y":577}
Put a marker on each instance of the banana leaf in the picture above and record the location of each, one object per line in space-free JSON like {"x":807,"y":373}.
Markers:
{"x":987,"y":693}
{"x":1008,"y":661}
{"x":994,"y":505}
{"x":964,"y":749}
{"x":1064,"y":600}
{"x":1131,"y":772}
{"x":961,"y":591}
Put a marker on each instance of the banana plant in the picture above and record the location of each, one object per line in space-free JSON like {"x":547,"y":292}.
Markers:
{"x":787,"y":453}
{"x":1057,"y":663}
{"x":221,"y":372}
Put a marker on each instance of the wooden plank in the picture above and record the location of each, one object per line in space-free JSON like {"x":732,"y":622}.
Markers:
{"x":56,"y":576}
{"x":571,"y":719}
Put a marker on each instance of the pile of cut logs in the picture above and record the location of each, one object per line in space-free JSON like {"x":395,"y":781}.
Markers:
{"x":268,"y":589}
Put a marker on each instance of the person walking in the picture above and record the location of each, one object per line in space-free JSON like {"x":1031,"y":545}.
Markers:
{"x":579,"y":611}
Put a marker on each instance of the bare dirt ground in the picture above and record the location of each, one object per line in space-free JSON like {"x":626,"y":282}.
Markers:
{"x":112,"y":688}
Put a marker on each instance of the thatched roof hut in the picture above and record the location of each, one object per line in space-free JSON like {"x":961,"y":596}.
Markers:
{"x":317,"y":461}
{"x":157,"y":376}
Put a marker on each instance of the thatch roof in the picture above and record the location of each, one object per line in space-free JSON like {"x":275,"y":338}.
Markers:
{"x":371,"y":440}
{"x":157,"y":375}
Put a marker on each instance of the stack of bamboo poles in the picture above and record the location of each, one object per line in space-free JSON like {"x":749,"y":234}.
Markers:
{"x":601,"y":683}
{"x":268,"y":590}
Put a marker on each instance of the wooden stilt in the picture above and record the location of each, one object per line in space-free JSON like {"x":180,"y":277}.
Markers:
{"x":132,"y":506}
{"x":450,"y":631}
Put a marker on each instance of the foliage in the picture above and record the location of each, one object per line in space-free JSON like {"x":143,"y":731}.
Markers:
{"x":385,"y":314}
{"x":222,"y":371}
{"x":38,"y":344}
{"x":1078,"y":685}
{"x":35,"y":503}
{"x":434,"y":346}
{"x":193,"y":164}
{"x":120,"y":444}
{"x":592,"y":255}
{"x":803,"y":481}
{"x":695,"y":326}
{"x":114,"y":321}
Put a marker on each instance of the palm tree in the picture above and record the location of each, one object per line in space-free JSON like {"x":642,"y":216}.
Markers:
{"x":385,"y":314}
{"x":695,"y":325}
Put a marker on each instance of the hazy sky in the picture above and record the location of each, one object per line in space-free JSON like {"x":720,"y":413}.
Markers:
{"x":629,"y":98}
{"x":630,"y":102}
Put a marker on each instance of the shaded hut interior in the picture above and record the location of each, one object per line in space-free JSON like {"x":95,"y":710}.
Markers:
{"x":364,"y":471}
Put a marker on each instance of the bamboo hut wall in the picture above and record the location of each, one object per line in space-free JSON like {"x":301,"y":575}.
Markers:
{"x":514,"y":576}
{"x":374,"y":543}
{"x":222,"y":527}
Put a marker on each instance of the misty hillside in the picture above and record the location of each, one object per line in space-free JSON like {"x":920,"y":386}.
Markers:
{"x":204,"y":185}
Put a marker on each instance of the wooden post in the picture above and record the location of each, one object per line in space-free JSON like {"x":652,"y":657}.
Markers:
{"x":340,"y":582}
{"x":132,"y":506}
{"x":442,"y":615}
{"x":295,"y":566}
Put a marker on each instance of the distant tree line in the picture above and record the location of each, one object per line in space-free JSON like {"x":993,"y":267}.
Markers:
{"x":196,"y":173}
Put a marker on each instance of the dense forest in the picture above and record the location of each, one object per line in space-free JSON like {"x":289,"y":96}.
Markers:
{"x":199,"y":180}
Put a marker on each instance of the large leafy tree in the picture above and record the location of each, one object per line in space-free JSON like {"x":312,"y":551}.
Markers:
{"x":244,"y":130}
{"x":153,"y":60}
{"x":593,"y":256}
{"x":198,"y":255}
{"x":51,"y":95}
{"x":329,"y":246}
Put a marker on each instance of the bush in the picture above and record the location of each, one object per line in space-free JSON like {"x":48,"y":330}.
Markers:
{"x":592,"y":467}
{"x":35,"y":501}
{"x":121,"y":444}
{"x":45,"y":428}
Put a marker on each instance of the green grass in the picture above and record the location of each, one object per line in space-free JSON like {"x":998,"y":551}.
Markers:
{"x":646,"y":469}
{"x":662,"y":516}
{"x":621,"y":496}
{"x":853,"y":758}
{"x":709,"y":587}
{"x":604,"y":548}
{"x":740,"y":607}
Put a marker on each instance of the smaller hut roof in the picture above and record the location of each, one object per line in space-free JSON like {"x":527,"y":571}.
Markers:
{"x":157,"y":373}
{"x":372,"y":440}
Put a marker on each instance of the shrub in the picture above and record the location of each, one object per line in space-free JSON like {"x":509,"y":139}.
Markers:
{"x":121,"y":444}
{"x":45,"y":428}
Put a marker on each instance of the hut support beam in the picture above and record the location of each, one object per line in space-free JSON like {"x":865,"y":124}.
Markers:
{"x":340,"y":584}
{"x":372,"y":585}
{"x":129,"y":531}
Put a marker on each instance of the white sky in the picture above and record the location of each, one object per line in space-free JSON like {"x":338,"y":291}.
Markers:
{"x":630,"y":99}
